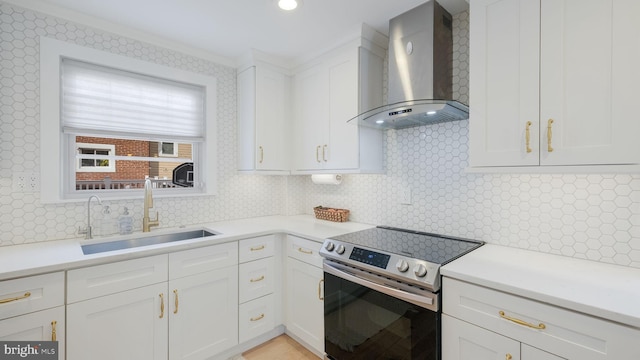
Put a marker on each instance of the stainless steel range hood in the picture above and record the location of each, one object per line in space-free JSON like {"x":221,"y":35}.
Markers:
{"x":420,"y":72}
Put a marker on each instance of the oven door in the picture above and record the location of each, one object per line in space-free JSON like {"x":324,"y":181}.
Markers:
{"x":365,"y":318}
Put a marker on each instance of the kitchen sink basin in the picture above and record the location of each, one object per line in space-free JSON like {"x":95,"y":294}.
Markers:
{"x":144,"y":241}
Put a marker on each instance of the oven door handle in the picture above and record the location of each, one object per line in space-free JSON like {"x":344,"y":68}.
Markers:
{"x":420,"y":300}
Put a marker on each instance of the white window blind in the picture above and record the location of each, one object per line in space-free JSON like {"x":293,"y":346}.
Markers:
{"x":102,"y":100}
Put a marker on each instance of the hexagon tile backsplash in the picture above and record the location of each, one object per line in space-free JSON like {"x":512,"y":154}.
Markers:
{"x":594,"y":217}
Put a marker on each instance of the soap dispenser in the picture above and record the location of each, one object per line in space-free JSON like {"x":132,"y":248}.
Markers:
{"x":107,"y":223}
{"x":125,"y":222}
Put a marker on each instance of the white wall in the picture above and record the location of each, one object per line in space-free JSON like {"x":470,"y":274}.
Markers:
{"x":585,"y":216}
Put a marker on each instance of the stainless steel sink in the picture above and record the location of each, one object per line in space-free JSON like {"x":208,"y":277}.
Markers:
{"x":144,"y":241}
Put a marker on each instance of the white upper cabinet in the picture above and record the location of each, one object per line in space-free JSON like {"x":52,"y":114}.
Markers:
{"x":553,"y":81}
{"x":263,"y":118}
{"x":329,"y":91}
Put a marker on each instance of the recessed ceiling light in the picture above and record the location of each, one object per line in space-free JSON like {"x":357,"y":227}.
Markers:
{"x":289,"y":5}
{"x":431,"y":113}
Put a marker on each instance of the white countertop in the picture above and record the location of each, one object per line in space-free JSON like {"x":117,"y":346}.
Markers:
{"x":49,"y":256}
{"x":603,"y":290}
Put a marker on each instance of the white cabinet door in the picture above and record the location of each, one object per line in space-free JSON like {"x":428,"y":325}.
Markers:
{"x":311,"y":116}
{"x":464,"y":341}
{"x":305,"y":303}
{"x":340,"y":148}
{"x":589,"y":76}
{"x":263,"y":119}
{"x":553,"y":82}
{"x":504,"y":84}
{"x":45,"y":325}
{"x":531,"y":353}
{"x":126,"y":325}
{"x":203,"y":312}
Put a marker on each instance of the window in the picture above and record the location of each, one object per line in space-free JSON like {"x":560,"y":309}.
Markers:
{"x":120,"y":122}
{"x":98,"y":159}
{"x":167,"y":149}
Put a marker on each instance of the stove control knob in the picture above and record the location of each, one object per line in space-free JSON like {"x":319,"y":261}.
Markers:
{"x":330,"y":246}
{"x":402,"y":266}
{"x":340,"y":250}
{"x":420,"y":270}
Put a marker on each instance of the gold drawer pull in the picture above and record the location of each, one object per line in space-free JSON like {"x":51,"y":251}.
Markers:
{"x":257,"y":248}
{"x":540,"y":326}
{"x":549,"y":135}
{"x":26,"y":295}
{"x":257,"y":318}
{"x":528,"y":136}
{"x":324,"y":153}
{"x":508,"y":357}
{"x":53,"y":330}
{"x":258,"y":279}
{"x":318,"y":153}
{"x":175,"y":292}
{"x":161,"y":306}
{"x":304,"y":251}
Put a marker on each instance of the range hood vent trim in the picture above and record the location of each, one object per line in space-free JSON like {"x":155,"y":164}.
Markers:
{"x":412,"y":113}
{"x":420,"y":65}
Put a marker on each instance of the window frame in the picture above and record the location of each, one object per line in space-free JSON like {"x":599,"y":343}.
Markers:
{"x":55,"y":163}
{"x":163,"y":154}
{"x":111,"y":149}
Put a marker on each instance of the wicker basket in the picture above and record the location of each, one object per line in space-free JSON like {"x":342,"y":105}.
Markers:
{"x":331,"y":214}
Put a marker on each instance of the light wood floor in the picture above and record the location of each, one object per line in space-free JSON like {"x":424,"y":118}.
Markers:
{"x":280,"y":348}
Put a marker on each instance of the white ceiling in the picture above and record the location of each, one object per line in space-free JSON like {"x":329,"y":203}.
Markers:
{"x":229,"y":28}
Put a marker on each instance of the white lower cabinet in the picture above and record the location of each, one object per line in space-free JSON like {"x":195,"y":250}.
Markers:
{"x":464,"y":341}
{"x":305,"y":293}
{"x":127,"y":325}
{"x":178,"y":306}
{"x":483,"y":323}
{"x":32,"y":309}
{"x":203,"y":314}
{"x":258,"y":283}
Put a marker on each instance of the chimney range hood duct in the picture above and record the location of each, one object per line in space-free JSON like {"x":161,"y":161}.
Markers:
{"x":420,"y":72}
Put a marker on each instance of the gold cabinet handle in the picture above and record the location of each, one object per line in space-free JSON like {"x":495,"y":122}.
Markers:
{"x":257,"y":318}
{"x":324,"y":152}
{"x":257,"y":279}
{"x":549,"y":135}
{"x":261,"y":154}
{"x":527,"y":136}
{"x":318,"y":153}
{"x":540,"y":326}
{"x":304,"y":251}
{"x":320,"y":297}
{"x":175,"y":292}
{"x":26,"y":295}
{"x":161,"y":306}
{"x":54,"y":337}
{"x":257,"y":248}
{"x":508,"y":357}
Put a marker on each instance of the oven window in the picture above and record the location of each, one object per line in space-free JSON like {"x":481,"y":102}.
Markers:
{"x":361,"y":323}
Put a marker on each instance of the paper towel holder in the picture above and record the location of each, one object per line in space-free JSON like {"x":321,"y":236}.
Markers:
{"x":326,"y":179}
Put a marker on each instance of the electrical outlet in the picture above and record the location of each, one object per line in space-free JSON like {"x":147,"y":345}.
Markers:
{"x":32,"y":182}
{"x":24,"y":182}
{"x":19,"y":182}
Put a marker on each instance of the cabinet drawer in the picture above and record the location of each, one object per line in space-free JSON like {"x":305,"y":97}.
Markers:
{"x":29,"y":294}
{"x":256,"y":248}
{"x":304,"y":250}
{"x":195,"y":261}
{"x":256,"y":279}
{"x":256,"y":317}
{"x":560,"y":331}
{"x":111,"y":278}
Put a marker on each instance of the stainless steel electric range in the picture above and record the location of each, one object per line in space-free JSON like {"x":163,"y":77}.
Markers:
{"x":382,"y":293}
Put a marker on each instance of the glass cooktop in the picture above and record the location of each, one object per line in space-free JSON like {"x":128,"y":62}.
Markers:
{"x":434,"y":248}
